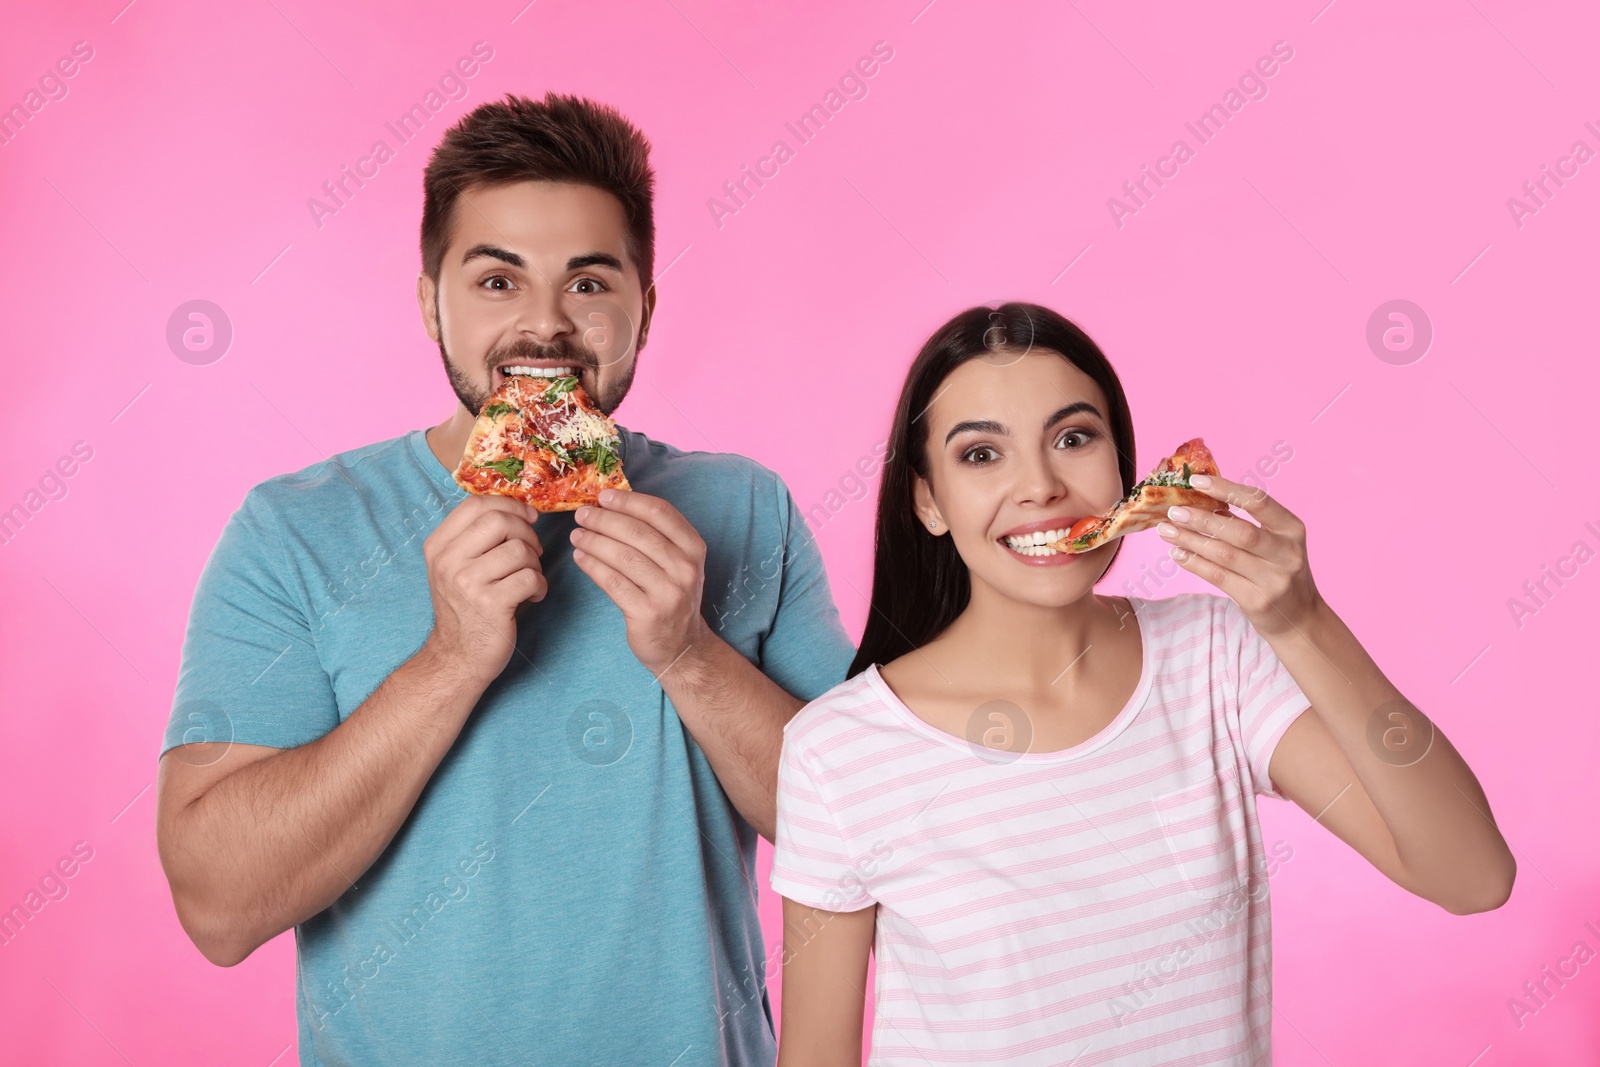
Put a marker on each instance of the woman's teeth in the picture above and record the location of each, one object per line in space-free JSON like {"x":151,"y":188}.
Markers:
{"x":541,"y":372}
{"x":1036,"y":543}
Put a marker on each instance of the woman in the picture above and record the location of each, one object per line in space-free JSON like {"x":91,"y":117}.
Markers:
{"x":1036,"y":803}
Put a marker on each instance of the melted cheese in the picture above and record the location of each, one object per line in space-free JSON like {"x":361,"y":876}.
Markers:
{"x":581,"y":429}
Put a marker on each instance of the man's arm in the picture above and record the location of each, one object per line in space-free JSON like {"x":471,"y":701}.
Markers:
{"x":736,"y":715}
{"x":254,"y":839}
{"x":650,"y":561}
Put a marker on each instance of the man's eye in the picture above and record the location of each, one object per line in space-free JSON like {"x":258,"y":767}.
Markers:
{"x":489,"y":281}
{"x":967,"y":456}
{"x":595,"y":285}
{"x":1086,"y":435}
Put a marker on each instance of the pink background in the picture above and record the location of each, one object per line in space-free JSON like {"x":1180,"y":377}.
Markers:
{"x":977,"y":168}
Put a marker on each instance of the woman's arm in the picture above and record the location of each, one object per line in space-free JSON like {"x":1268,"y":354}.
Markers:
{"x":824,"y":985}
{"x":1364,"y":761}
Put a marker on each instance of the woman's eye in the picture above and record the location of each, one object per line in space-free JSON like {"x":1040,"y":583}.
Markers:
{"x":1086,"y":435}
{"x":967,"y":456}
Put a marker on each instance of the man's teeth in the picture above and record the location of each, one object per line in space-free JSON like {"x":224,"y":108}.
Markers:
{"x":1036,"y":543}
{"x":541,"y":372}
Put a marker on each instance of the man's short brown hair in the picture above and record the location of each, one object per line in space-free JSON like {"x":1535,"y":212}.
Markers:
{"x":558,"y":139}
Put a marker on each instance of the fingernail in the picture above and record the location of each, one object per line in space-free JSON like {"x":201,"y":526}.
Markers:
{"x":1179,"y":554}
{"x":607,"y":495}
{"x":582,"y":513}
{"x":1200,"y":481}
{"x":1178,"y":513}
{"x":1167,"y":530}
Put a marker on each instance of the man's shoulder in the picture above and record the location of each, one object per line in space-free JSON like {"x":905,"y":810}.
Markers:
{"x":726,"y":479}
{"x":672,"y":461}
{"x":353,"y":478}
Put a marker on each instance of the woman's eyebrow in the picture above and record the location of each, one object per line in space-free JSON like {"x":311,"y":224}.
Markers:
{"x":980,"y":425}
{"x":1073,"y":409}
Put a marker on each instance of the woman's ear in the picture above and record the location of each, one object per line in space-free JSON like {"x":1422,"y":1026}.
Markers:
{"x":926,"y":509}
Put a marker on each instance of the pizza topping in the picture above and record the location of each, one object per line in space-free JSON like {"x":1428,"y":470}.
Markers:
{"x":510,"y":468}
{"x":560,"y":388}
{"x":494,"y":411}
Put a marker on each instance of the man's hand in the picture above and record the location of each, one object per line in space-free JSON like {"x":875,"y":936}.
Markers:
{"x":483,"y":561}
{"x":645,"y":556}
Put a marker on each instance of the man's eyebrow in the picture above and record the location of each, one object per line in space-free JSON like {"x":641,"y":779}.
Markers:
{"x":1071,"y":410}
{"x":591,"y":259}
{"x":493,"y":252}
{"x":979,"y":425}
{"x":595,"y":259}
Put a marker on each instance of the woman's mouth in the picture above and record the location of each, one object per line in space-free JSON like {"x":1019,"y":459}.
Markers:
{"x":1034,"y":548}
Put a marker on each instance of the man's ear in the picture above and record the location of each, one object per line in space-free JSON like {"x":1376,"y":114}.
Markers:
{"x":428,"y":304}
{"x":646,"y":317}
{"x":927,"y":511}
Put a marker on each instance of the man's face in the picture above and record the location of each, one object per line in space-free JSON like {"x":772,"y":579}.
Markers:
{"x":537,"y":273}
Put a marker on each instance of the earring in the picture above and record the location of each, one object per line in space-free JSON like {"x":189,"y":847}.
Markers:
{"x":932,"y":525}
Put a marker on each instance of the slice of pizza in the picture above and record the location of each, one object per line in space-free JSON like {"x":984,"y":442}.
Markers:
{"x":1146,"y":503}
{"x":541,"y":440}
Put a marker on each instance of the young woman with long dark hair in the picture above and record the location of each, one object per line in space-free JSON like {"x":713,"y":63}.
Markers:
{"x":1037,"y":804}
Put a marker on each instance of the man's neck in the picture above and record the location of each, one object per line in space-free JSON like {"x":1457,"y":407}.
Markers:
{"x":448,"y":440}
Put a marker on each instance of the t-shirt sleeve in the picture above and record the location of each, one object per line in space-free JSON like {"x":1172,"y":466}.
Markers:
{"x":249,"y":671}
{"x":810,"y":859}
{"x":1267,"y":697}
{"x":806,"y":650}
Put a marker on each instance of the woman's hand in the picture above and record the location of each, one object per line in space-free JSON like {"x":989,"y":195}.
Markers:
{"x":1263,"y":568}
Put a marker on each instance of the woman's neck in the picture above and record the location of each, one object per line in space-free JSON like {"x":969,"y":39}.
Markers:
{"x":1028,"y":645}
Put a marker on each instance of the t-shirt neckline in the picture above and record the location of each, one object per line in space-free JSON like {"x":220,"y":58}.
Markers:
{"x":1129,"y":711}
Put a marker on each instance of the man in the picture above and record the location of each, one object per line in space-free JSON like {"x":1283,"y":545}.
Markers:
{"x":503,"y":772}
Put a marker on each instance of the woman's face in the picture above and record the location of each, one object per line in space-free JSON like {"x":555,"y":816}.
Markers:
{"x":1019,"y":448}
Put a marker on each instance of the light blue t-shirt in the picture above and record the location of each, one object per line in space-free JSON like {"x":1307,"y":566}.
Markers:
{"x":573,"y":885}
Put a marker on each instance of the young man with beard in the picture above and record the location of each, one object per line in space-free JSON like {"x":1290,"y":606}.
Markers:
{"x":503,"y":772}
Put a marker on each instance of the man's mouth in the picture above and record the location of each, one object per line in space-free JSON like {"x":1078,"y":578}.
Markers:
{"x":536,"y":370}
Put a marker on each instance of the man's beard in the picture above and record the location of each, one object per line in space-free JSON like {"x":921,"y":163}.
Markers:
{"x":563,"y":350}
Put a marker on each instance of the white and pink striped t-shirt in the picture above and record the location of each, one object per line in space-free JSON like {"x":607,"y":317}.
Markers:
{"x":1102,"y":904}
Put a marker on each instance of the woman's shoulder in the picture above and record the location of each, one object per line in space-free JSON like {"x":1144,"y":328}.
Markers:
{"x":848,"y":706}
{"x":1177,"y":619}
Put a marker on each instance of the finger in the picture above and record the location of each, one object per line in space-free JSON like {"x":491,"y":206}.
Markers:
{"x":1255,"y":502}
{"x":507,"y":557}
{"x":626,"y":560}
{"x":658,"y":514}
{"x":520,"y":587}
{"x":623,"y":592}
{"x":1226,"y":526}
{"x":463,"y":514}
{"x":1216,"y":550}
{"x":489,"y":529}
{"x":630,"y":530}
{"x":1231,"y":583}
